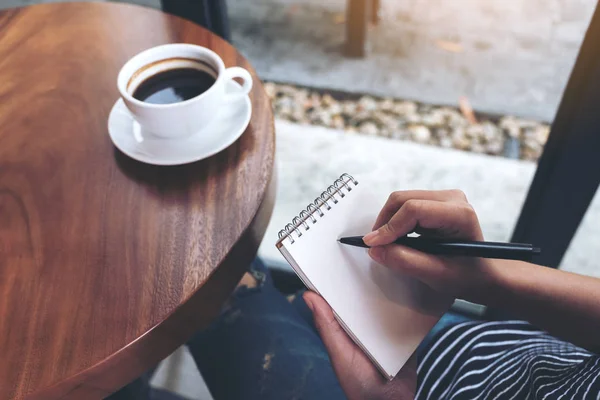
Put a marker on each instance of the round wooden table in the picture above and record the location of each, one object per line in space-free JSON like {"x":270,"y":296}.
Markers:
{"x":107,"y":264}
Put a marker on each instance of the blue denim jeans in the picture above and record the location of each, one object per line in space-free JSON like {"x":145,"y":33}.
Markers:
{"x":264,"y":346}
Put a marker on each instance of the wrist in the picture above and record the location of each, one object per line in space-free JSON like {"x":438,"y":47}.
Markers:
{"x":491,"y":282}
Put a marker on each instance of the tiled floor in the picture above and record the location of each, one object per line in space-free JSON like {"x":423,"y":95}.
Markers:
{"x":178,"y":373}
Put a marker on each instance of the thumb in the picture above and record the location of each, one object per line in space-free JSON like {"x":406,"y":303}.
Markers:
{"x":357,"y":375}
{"x":335,"y":339}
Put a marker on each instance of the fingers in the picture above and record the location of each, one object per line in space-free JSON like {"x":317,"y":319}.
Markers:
{"x":357,"y":375}
{"x":445,"y":219}
{"x":406,"y":380}
{"x":337,"y":342}
{"x":397,"y":200}
{"x":409,"y":261}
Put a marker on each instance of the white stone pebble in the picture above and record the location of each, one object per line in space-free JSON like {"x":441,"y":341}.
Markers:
{"x":407,"y":120}
{"x":420,"y":133}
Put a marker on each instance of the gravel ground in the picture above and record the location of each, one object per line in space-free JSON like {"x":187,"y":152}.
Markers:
{"x":442,"y":126}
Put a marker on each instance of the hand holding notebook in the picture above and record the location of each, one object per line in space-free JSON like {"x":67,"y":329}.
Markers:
{"x":386,"y":314}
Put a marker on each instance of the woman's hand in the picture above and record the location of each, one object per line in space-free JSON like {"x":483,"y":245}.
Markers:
{"x":357,"y":375}
{"x":565,"y":304}
{"x":442,"y":214}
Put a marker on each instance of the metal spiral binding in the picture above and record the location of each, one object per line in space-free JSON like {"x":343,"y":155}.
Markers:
{"x":329,"y":195}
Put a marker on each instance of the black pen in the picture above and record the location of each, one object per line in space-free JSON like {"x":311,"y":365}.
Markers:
{"x":449,"y":247}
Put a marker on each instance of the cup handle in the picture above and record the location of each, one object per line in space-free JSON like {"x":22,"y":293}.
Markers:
{"x":238,"y":72}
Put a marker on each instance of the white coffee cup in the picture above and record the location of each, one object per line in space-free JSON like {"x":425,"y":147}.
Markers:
{"x":187,"y":117}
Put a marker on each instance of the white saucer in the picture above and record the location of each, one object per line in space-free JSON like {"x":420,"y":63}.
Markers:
{"x":225,"y":129}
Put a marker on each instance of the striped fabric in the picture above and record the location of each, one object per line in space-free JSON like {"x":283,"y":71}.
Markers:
{"x":506,"y":360}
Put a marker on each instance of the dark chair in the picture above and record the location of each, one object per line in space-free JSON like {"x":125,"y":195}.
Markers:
{"x":211,"y":14}
{"x":568,"y":173}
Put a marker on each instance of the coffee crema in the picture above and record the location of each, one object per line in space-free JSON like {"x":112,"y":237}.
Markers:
{"x":174,"y":86}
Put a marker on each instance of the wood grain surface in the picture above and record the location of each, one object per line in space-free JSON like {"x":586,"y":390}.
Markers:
{"x":108,"y":264}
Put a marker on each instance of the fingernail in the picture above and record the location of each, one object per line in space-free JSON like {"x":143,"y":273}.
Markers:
{"x":368,"y":238}
{"x":376,"y":253}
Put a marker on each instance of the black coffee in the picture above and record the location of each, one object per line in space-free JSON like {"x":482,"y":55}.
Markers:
{"x":174,"y":86}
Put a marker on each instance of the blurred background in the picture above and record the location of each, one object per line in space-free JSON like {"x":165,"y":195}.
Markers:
{"x":427,"y":94}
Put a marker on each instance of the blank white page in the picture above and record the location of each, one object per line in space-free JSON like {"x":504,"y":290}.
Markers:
{"x":387,"y":314}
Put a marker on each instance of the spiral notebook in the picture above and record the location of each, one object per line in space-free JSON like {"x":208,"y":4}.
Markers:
{"x":385,"y":313}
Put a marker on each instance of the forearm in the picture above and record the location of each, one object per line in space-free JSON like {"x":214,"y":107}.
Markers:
{"x":566,"y":305}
